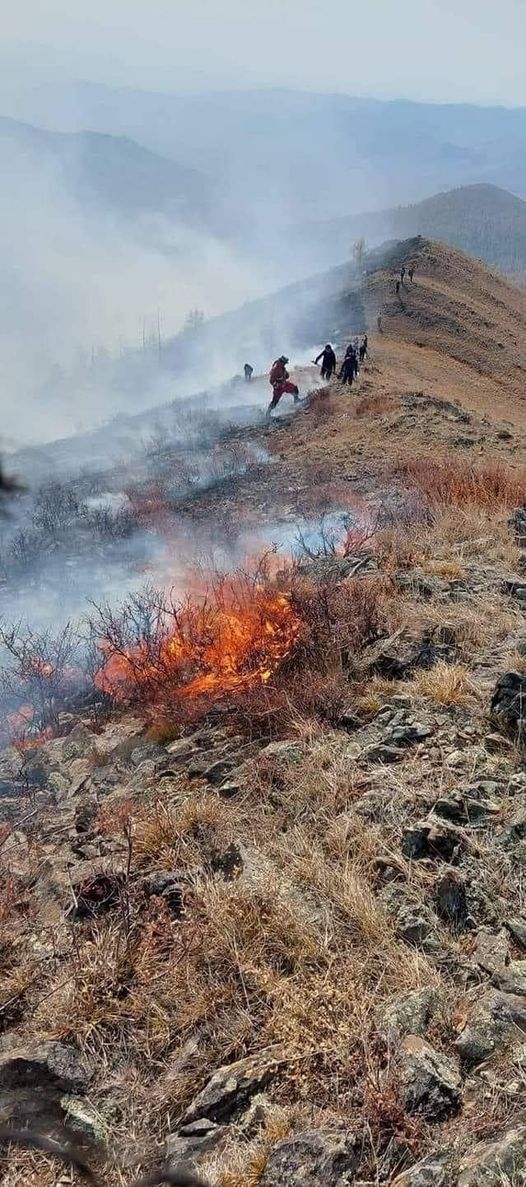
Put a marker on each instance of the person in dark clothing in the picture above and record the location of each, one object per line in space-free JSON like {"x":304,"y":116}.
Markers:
{"x":402,"y":274}
{"x":249,"y":371}
{"x":363,"y":348}
{"x":379,"y":324}
{"x":349,"y":367}
{"x":328,"y":358}
{"x":411,"y":273}
{"x":397,"y":287}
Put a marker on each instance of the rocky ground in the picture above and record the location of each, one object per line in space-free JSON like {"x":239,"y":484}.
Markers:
{"x":295,"y":952}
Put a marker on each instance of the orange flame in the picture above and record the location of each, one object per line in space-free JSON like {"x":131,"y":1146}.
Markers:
{"x":234,"y":643}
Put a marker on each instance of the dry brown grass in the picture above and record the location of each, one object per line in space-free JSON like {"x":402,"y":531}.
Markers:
{"x":448,"y":481}
{"x":447,"y":684}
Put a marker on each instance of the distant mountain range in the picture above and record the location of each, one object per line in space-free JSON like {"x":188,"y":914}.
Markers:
{"x":482,"y":220}
{"x":278,"y":156}
{"x":108,"y":172}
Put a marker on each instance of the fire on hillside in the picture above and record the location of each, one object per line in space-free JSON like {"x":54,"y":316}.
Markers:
{"x":231,"y":640}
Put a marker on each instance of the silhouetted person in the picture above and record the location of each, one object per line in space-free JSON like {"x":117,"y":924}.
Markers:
{"x":363,"y":348}
{"x":411,"y":273}
{"x":402,"y":274}
{"x":379,"y":324}
{"x":398,"y":288}
{"x":249,"y":371}
{"x":349,"y":367}
{"x":328,"y":358}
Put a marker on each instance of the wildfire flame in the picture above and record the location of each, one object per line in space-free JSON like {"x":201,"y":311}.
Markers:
{"x":233,"y":643}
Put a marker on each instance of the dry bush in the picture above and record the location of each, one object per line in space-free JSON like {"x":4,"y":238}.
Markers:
{"x":449,"y":481}
{"x":39,"y":673}
{"x":447,"y":684}
{"x":180,"y":836}
{"x":341,"y":619}
{"x":377,"y":692}
{"x":243,"y":1165}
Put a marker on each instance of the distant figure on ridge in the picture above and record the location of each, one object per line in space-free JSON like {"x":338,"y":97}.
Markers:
{"x":328,"y":365}
{"x":402,"y":273}
{"x":249,"y":371}
{"x":363,"y":348}
{"x":280,"y":383}
{"x":412,"y":273}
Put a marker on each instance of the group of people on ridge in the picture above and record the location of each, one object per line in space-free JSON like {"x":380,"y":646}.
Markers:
{"x":356,"y":353}
{"x":282,"y":384}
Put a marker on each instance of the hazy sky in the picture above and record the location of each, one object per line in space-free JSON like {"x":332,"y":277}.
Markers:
{"x":443,"y":50}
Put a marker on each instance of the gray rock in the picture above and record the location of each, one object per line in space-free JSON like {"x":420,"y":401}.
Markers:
{"x":193,"y":1141}
{"x":431,"y":839}
{"x":496,"y":1019}
{"x":319,"y":1158}
{"x":415,"y":923}
{"x":231,"y":1087}
{"x":285,"y":751}
{"x":451,"y":899}
{"x":493,"y":1164}
{"x":509,"y":702}
{"x":79,"y":743}
{"x":408,"y":1013}
{"x":517,"y":930}
{"x":47,"y":1063}
{"x":33,"y":1079}
{"x":432,"y":1171}
{"x":513,"y":978}
{"x":461,"y":808}
{"x":430,"y":1083}
{"x":491,"y":950}
{"x":149,"y":752}
{"x":84,"y":1121}
{"x":383,"y":753}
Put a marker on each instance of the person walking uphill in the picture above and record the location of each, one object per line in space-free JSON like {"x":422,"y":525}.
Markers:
{"x":280,"y":383}
{"x":349,"y":367}
{"x":328,"y":365}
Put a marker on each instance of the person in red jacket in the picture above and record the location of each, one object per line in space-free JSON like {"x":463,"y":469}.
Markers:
{"x":280,"y":383}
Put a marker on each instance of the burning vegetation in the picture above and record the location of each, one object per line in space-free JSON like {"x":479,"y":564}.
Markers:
{"x":231,"y":639}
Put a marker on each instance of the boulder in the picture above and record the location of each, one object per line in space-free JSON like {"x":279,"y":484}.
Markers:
{"x":430,"y":1083}
{"x":517,"y":930}
{"x":149,"y":752}
{"x":193,"y":1141}
{"x":492,"y":1164}
{"x":33,"y":1079}
{"x":508,"y":704}
{"x":408,"y":1013}
{"x":80,"y":743}
{"x":517,"y":522}
{"x":415,"y":923}
{"x":59,"y":1065}
{"x":496,"y":1018}
{"x":432,"y":1171}
{"x":432,"y":839}
{"x":491,"y":950}
{"x":231,"y":1088}
{"x":318,"y":1158}
{"x":451,"y":900}
{"x":83,"y":1121}
{"x":512,"y":979}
